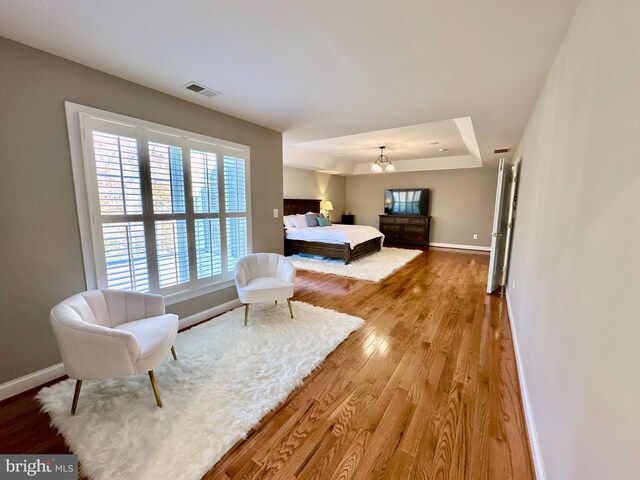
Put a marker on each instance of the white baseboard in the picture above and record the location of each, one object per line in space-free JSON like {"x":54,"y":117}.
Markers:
{"x":32,"y":380}
{"x":208,"y":313}
{"x":528,"y":412}
{"x":461,"y":247}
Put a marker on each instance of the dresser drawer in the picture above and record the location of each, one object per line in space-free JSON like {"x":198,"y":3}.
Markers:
{"x":419,"y":229}
{"x":393,"y":237}
{"x":391,"y":228}
{"x":414,"y":237}
{"x":418,"y":221}
{"x":386,"y":220}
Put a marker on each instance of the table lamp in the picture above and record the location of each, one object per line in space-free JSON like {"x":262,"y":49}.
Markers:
{"x":327,"y":207}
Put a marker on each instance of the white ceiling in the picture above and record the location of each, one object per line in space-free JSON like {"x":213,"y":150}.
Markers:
{"x":319,"y":69}
{"x":400,"y":143}
{"x":428,"y":146}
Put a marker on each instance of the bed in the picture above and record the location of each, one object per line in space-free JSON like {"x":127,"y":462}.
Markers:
{"x":327,"y":243}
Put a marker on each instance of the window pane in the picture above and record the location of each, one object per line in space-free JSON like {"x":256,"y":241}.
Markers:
{"x":204,"y":182}
{"x":118,"y":174}
{"x":154,"y":237}
{"x":172,"y":252}
{"x":235,"y":195}
{"x":208,"y":248}
{"x":126,"y":256}
{"x":236,"y":240}
{"x":167,"y":178}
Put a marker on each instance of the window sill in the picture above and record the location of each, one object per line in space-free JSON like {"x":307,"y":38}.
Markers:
{"x":185,"y":295}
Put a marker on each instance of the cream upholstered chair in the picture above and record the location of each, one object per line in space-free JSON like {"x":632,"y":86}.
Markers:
{"x":264,"y":277}
{"x":112,"y":333}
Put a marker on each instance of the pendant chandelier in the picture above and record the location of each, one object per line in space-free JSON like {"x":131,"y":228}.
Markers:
{"x":381,"y":161}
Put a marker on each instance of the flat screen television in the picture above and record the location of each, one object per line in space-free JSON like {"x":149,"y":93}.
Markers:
{"x":406,"y":201}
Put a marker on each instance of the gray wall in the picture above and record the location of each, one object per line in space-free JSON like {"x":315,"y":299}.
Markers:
{"x":574,"y":281}
{"x":40,"y":252}
{"x":462,"y":201}
{"x":300,"y":183}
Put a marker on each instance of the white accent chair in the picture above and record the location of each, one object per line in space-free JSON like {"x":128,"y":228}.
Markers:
{"x":112,"y":333}
{"x":264,"y":277}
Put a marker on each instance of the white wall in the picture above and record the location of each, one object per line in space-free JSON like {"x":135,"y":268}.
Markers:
{"x":576,"y":257}
{"x":300,"y":183}
{"x":461,"y":201}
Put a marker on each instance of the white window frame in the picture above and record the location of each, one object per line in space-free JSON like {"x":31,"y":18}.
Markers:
{"x":86,"y":201}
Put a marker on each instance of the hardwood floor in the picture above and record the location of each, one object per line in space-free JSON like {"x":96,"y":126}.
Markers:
{"x":427,"y":389}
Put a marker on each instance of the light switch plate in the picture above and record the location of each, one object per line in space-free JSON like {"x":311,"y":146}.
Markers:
{"x":275,"y":213}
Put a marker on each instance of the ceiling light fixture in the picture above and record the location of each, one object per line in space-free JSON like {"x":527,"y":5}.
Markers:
{"x":382,"y":160}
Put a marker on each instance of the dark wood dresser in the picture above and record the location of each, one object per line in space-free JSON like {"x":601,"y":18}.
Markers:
{"x":405,"y":229}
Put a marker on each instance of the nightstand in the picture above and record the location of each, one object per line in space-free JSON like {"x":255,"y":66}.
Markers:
{"x":348,"y":219}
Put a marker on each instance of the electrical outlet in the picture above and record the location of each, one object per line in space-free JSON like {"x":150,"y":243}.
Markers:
{"x":475,"y":236}
{"x":275,"y":213}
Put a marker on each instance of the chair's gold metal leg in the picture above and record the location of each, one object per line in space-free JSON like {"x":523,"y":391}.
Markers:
{"x":246,"y":313}
{"x":290,"y":310}
{"x":173,"y":352}
{"x":155,"y":388}
{"x":76,"y":395}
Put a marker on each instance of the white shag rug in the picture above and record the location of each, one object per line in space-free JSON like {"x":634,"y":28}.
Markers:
{"x":373,"y":267}
{"x":227,"y":377}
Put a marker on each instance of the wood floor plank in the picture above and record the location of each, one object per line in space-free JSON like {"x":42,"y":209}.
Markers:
{"x":427,"y":389}
{"x":327,"y":456}
{"x":386,"y":437}
{"x":352,"y":457}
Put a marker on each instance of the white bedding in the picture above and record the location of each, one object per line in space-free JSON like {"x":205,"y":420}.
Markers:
{"x":351,"y":234}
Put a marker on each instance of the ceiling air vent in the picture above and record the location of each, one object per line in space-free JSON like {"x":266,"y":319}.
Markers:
{"x":501,"y":150}
{"x":201,"y":89}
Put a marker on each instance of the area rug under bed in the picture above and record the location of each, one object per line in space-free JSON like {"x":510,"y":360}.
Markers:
{"x":374,"y":267}
{"x":227,"y":377}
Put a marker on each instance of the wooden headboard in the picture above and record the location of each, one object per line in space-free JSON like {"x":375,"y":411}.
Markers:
{"x":294,"y":206}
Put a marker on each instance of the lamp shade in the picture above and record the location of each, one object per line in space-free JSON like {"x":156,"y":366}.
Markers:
{"x":327,"y":205}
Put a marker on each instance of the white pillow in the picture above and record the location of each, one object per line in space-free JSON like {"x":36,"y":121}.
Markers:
{"x":287,"y":221}
{"x":299,"y":221}
{"x":291,"y":218}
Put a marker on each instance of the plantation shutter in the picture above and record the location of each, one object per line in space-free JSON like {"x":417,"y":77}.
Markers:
{"x":169,"y":213}
{"x":167,"y":218}
{"x":205,"y":185}
{"x":118,"y":200}
{"x":235,"y":208}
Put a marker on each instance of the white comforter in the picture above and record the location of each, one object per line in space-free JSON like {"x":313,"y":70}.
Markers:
{"x":351,"y":234}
